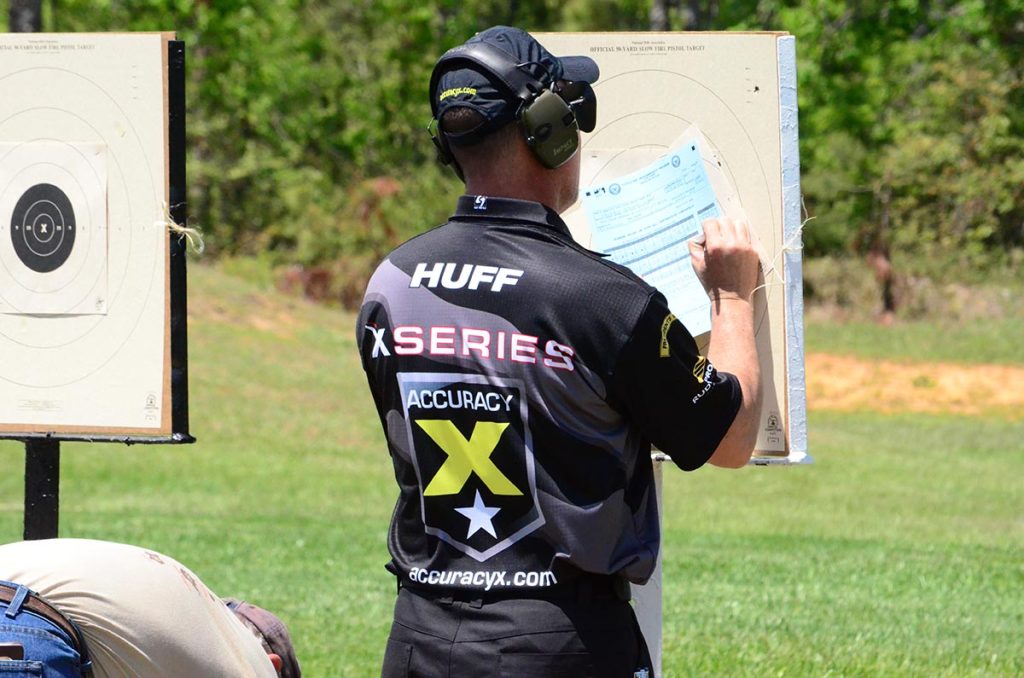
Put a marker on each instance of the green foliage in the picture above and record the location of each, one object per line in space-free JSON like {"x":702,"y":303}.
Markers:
{"x":598,"y":15}
{"x":256,"y":121}
{"x":910,"y":128}
{"x":294,"y":106}
{"x":912,"y":116}
{"x":959,"y":132}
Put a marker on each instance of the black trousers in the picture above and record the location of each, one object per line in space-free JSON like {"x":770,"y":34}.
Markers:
{"x":435,"y":637}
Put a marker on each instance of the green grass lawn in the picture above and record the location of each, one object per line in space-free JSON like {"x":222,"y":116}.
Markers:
{"x":899,"y":552}
{"x":996,"y":340}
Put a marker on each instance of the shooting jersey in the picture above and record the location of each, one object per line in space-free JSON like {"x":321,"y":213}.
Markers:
{"x":521,"y":380}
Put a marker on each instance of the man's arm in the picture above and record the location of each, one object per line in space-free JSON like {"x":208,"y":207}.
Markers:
{"x":727,"y":265}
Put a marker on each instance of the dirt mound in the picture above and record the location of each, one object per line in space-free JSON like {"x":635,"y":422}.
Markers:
{"x":846,"y":383}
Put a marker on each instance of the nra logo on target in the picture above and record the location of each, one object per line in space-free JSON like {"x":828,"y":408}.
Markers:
{"x":474,"y":459}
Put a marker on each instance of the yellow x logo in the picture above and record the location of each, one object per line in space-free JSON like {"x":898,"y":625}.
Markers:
{"x":466,"y":456}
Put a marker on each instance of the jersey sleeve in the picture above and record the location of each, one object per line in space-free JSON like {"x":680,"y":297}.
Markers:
{"x":671,"y":392}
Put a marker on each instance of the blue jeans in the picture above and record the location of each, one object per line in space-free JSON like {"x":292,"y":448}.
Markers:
{"x":48,"y":649}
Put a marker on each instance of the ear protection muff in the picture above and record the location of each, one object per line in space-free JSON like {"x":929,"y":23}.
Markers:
{"x":551,"y":129}
{"x":549,"y":124}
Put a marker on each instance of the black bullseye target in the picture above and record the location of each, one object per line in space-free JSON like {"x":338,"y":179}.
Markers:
{"x":43,"y":228}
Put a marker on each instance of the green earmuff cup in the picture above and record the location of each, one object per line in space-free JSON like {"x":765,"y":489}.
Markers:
{"x":551,"y":129}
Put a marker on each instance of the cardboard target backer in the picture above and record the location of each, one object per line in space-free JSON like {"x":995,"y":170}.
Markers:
{"x":739,"y":91}
{"x":84,"y":255}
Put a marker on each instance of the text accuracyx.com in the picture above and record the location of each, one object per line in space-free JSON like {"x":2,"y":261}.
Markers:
{"x":485,"y":580}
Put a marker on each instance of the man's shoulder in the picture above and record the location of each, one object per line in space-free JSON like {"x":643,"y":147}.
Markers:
{"x":544,"y":262}
{"x":532,"y":243}
{"x":421,"y":240}
{"x":594,"y":274}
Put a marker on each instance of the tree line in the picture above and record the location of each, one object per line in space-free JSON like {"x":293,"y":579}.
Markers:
{"x":306,"y":119}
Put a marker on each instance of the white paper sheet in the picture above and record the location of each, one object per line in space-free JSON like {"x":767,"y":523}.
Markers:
{"x":645,"y":220}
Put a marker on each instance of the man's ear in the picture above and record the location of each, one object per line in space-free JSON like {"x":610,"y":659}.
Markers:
{"x":275,"y":659}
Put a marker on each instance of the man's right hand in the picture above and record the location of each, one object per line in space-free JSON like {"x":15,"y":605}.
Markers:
{"x":725,"y":260}
{"x":728,"y":266}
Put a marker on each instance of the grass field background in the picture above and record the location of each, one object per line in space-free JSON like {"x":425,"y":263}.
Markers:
{"x":899,"y":552}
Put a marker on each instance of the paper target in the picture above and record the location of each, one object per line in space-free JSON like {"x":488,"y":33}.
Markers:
{"x":653,"y":88}
{"x":83,"y":239}
{"x":53,"y":202}
{"x":656,"y":119}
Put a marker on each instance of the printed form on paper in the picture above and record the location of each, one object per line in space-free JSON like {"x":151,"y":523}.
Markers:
{"x":645,"y":219}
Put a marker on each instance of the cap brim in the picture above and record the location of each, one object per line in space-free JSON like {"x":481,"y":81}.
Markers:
{"x":274,"y":633}
{"x":579,"y":69}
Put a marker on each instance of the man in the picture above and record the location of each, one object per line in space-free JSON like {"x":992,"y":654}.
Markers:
{"x":521,"y":380}
{"x":68,"y":606}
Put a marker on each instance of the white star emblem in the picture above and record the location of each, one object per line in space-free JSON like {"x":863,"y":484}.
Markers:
{"x":479,"y":517}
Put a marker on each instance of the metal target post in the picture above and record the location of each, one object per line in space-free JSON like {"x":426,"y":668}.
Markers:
{"x":42,"y":488}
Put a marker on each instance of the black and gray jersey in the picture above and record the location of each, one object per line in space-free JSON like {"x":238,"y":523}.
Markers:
{"x":521,"y":380}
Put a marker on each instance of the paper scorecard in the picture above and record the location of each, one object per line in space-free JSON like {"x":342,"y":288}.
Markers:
{"x":645,"y":220}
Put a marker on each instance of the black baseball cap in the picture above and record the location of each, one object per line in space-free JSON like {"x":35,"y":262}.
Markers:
{"x":459,"y":82}
{"x":270,"y":631}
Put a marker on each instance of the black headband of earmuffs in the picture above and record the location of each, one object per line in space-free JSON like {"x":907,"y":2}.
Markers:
{"x":495,"y":61}
{"x":549,"y":122}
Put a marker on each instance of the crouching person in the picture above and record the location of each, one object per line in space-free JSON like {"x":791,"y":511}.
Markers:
{"x":78,"y":607}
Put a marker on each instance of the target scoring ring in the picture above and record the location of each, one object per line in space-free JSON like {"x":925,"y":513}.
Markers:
{"x":43,"y":228}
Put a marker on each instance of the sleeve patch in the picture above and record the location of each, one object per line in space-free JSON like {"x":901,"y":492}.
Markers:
{"x":701,"y":369}
{"x":664,"y":351}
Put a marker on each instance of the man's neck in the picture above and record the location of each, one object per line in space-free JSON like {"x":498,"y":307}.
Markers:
{"x":519,"y":175}
{"x":534,"y":191}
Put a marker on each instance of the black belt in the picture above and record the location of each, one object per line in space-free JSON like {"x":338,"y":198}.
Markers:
{"x":37,"y":604}
{"x":583,"y":587}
